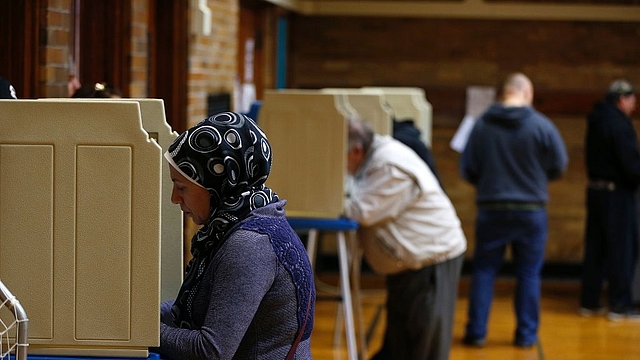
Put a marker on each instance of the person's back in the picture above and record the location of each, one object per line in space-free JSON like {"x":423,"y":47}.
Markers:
{"x":611,"y":149}
{"x":512,"y":153}
{"x":411,"y":233}
{"x":613,"y":167}
{"x":424,"y":228}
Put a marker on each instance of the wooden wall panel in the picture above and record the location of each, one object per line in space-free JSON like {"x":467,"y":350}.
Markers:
{"x":570,"y":62}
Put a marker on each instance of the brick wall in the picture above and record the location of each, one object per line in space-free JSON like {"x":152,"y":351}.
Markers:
{"x":139,"y":48}
{"x":212,"y":59}
{"x":58,"y":47}
{"x":55,"y":64}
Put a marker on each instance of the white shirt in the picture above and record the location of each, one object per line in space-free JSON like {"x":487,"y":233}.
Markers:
{"x":406,"y":219}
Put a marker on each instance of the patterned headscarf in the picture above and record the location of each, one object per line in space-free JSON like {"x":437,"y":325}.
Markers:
{"x":229,"y":156}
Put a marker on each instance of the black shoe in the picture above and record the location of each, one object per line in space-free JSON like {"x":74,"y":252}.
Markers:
{"x":623,"y":313}
{"x":477,"y":342}
{"x":589,"y":312}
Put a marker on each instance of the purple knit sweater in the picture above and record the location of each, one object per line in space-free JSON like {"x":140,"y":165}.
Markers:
{"x":248,"y":303}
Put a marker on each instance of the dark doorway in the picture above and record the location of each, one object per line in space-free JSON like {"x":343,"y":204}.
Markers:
{"x":168,"y":55}
{"x":19,"y":45}
{"x":102,"y":38}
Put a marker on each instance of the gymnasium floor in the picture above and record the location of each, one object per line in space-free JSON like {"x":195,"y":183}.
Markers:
{"x":563,"y":333}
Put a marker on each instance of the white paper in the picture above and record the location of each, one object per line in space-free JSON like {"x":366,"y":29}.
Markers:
{"x":248,"y":97}
{"x":459,"y":140}
{"x":479,"y":98}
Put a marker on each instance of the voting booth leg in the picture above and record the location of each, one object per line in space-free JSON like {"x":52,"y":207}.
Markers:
{"x":312,"y":246}
{"x":345,"y":286}
{"x":346,"y":306}
{"x":356,"y":266}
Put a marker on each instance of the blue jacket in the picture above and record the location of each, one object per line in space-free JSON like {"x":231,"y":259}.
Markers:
{"x":406,"y":132}
{"x":511,"y":154}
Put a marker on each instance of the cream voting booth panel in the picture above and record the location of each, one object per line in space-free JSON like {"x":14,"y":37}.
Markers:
{"x":308,"y":136}
{"x":370,"y":107}
{"x":409,"y":103}
{"x":154,"y":122}
{"x":342,"y":103}
{"x":80,"y":225}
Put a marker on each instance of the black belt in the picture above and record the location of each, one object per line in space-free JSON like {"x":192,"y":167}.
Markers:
{"x":602,"y":185}
{"x":510,"y":205}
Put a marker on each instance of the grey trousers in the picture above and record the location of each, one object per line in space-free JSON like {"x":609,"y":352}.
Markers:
{"x":420,"y":312}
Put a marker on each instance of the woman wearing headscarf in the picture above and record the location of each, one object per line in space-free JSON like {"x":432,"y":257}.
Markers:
{"x":248,"y":292}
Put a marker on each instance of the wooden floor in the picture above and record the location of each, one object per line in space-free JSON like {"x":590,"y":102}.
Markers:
{"x":563,"y":333}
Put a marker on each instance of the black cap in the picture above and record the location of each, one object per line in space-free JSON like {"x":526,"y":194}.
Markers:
{"x":6,"y":89}
{"x":621,"y":88}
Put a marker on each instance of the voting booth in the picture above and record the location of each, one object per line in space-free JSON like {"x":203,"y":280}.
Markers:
{"x":371,"y":107}
{"x":408,"y":103}
{"x":308,"y":136}
{"x":154,"y":123}
{"x":80,"y":225}
{"x":171,"y":226}
{"x":308,"y":128}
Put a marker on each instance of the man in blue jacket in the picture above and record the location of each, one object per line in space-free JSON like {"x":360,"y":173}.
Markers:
{"x":512,"y":153}
{"x":613,"y":167}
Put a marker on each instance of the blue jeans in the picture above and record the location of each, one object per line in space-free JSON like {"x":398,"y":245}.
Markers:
{"x":526,"y":232}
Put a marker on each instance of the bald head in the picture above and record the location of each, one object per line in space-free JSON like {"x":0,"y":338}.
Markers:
{"x":517,"y":90}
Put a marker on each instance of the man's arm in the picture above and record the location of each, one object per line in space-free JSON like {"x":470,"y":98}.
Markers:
{"x":557,"y":156}
{"x":382,"y":194}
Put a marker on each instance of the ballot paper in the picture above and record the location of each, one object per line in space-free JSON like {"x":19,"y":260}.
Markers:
{"x":479,"y":98}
